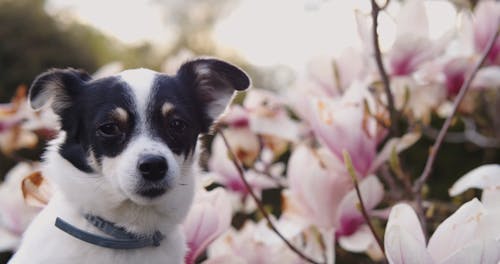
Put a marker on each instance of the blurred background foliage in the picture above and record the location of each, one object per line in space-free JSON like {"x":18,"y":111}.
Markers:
{"x":32,"y":41}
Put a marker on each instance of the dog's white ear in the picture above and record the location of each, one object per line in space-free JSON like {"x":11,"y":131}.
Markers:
{"x":213,"y":82}
{"x":56,"y":86}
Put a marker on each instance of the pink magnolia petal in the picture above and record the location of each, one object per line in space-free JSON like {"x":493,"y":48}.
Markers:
{"x":332,"y":120}
{"x":209,"y":217}
{"x":408,"y":53}
{"x":236,"y":117}
{"x":487,"y":15}
{"x":481,"y":177}
{"x":199,"y":227}
{"x":316,"y":188}
{"x":349,"y":216}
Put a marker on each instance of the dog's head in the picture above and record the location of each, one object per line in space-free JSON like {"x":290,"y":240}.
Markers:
{"x":137,"y":131}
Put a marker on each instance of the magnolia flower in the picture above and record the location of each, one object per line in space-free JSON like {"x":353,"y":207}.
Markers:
{"x":321,"y":194}
{"x":330,"y":77}
{"x":486,"y":23}
{"x":485,"y":176}
{"x":419,"y":99}
{"x":253,"y":244}
{"x":20,"y":126}
{"x":470,"y":235}
{"x":343,"y":124}
{"x":474,"y":33}
{"x":352,"y":231}
{"x":15,"y":215}
{"x":317,"y":184}
{"x":412,"y":46}
{"x":268,"y":116}
{"x":208,"y":218}
{"x":222,"y":169}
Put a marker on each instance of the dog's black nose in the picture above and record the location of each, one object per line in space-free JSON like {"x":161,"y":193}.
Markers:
{"x":153,"y":167}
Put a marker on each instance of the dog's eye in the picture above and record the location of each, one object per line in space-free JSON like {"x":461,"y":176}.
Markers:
{"x":109,"y":130}
{"x":177,"y":125}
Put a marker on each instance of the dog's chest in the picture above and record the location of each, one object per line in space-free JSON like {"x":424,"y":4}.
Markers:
{"x":44,"y":243}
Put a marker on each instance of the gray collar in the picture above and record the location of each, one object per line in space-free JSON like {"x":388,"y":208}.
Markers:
{"x":121,"y":238}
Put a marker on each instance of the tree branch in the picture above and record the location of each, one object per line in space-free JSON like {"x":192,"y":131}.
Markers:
{"x":419,"y":183}
{"x":352,"y":172}
{"x":380,"y":65}
{"x":260,"y":206}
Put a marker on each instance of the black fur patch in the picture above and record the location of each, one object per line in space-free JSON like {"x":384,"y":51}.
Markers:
{"x":93,"y":107}
{"x":185,"y":109}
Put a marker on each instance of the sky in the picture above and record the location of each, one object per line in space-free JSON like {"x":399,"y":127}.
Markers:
{"x":264,"y":32}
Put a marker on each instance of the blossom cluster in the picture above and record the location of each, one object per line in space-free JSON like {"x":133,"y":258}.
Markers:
{"x":321,"y":145}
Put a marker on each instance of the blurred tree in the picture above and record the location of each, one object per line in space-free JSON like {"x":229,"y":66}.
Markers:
{"x":32,"y":41}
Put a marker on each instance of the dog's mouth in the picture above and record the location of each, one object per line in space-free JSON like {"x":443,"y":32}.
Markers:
{"x":152,"y":192}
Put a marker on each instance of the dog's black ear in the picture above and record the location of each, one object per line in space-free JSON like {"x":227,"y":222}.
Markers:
{"x":57,"y":86}
{"x":213,"y":82}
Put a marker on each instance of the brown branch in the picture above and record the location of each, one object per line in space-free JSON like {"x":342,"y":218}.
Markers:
{"x":380,"y":65}
{"x":352,"y":172}
{"x":260,"y":206}
{"x":419,"y":183}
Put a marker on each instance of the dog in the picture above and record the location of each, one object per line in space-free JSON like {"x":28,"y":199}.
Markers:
{"x":124,"y":162}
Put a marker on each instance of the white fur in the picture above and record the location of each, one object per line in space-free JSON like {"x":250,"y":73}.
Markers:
{"x":140,"y":80}
{"x":109,"y":193}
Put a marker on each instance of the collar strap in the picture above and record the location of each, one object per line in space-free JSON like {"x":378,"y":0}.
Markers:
{"x":121,"y":239}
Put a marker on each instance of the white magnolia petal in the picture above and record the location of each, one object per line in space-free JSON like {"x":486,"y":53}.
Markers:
{"x":403,"y":215}
{"x":460,"y":228}
{"x":328,"y":236}
{"x":411,"y":11}
{"x":480,"y":252}
{"x":225,"y":259}
{"x":401,"y":247}
{"x":481,"y":177}
{"x":8,"y":241}
{"x":358,"y":242}
{"x":404,"y":240}
{"x":364,"y":30}
{"x":487,"y":77}
{"x":491,"y":198}
{"x":280,"y":126}
{"x":287,"y":228}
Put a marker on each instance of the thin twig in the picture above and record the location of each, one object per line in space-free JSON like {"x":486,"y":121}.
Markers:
{"x":380,"y":65}
{"x":260,"y":206}
{"x":419,"y":183}
{"x":352,"y":172}
{"x":470,"y":134}
{"x":420,"y":210}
